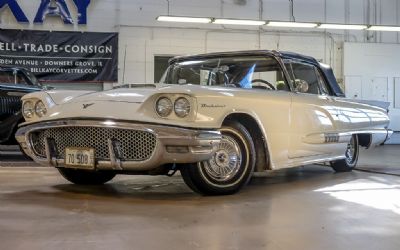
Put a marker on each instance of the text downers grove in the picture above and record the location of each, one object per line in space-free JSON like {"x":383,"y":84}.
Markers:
{"x":62,"y":56}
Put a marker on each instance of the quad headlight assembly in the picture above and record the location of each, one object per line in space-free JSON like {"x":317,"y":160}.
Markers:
{"x":32,"y":108}
{"x":180,"y":106}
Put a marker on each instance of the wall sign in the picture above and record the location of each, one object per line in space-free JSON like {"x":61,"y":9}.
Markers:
{"x":49,"y":8}
{"x":62,"y":56}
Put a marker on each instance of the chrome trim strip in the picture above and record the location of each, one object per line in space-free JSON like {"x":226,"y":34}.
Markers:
{"x":342,"y":137}
{"x":165,"y":136}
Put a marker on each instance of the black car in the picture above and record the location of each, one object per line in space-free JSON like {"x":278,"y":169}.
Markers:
{"x":14,"y":83}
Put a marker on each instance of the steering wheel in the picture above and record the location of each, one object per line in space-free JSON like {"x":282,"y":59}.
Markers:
{"x":270,"y":86}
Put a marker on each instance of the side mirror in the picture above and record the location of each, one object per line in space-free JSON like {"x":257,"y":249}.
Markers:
{"x":301,"y":86}
{"x":182,"y":81}
{"x":46,"y":87}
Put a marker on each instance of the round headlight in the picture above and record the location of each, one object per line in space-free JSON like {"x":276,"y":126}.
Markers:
{"x":182,"y":107}
{"x":28,"y":109}
{"x":40,"y":109}
{"x":164,"y":106}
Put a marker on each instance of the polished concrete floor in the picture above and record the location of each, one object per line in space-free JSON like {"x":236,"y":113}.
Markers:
{"x":301,"y":208}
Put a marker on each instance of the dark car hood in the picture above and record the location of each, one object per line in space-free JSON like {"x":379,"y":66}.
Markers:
{"x":20,"y":87}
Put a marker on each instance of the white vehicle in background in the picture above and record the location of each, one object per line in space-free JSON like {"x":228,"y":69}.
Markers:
{"x":216,"y":118}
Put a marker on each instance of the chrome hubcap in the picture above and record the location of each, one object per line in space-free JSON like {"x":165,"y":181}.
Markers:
{"x":226,"y":161}
{"x":350,"y":152}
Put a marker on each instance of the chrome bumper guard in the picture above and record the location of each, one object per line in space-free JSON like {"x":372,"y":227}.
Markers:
{"x":174,"y":144}
{"x":388,"y":135}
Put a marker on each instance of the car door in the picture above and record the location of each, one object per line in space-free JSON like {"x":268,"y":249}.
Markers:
{"x":314,"y":116}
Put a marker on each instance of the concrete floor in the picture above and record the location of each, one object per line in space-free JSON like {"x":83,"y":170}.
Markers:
{"x":301,"y":208}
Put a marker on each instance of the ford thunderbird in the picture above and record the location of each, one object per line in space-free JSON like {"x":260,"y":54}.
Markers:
{"x":217,"y":118}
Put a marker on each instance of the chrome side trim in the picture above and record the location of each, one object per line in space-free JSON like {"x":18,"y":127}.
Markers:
{"x":201,"y":143}
{"x":378,"y":136}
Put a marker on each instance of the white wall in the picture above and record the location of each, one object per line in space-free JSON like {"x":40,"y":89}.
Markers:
{"x":372,"y":71}
{"x":141,"y":44}
{"x":142,"y":37}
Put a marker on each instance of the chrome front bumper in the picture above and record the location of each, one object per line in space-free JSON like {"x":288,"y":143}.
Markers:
{"x":173,"y":144}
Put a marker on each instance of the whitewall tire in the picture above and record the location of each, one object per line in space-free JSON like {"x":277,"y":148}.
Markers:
{"x":229,"y":169}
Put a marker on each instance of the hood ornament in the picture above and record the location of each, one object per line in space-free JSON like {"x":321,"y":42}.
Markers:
{"x":87,"y":105}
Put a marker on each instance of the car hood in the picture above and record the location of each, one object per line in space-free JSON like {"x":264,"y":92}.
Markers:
{"x":20,"y":88}
{"x":120,"y":95}
{"x":127,"y":103}
{"x":134,"y":95}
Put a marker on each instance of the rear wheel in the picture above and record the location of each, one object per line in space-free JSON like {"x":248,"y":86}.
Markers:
{"x":229,"y":169}
{"x":350,"y":162}
{"x":86,"y":177}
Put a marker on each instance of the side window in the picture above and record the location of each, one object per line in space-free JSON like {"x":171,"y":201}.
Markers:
{"x":268,"y":73}
{"x":322,"y":83}
{"x":310,"y":74}
{"x":7,"y":78}
{"x":306,"y":72}
{"x":19,"y":78}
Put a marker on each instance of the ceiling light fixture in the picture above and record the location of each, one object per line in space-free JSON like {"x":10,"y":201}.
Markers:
{"x":280,"y":24}
{"x":342,"y":26}
{"x":291,"y":24}
{"x":184,"y":19}
{"x":238,"y":21}
{"x":384,"y":28}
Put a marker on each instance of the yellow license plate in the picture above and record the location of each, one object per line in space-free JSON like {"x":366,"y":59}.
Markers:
{"x":79,"y":158}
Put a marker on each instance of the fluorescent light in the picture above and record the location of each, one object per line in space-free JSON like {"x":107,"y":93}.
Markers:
{"x":238,"y":21}
{"x":384,"y":28}
{"x":342,"y":26}
{"x":183,"y":19}
{"x":232,"y":21}
{"x":291,"y":24}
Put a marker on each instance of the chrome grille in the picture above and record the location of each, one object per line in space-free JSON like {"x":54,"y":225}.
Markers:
{"x":135,"y":145}
{"x":10,"y":105}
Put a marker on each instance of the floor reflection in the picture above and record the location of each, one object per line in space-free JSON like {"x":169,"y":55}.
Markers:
{"x":372,"y":192}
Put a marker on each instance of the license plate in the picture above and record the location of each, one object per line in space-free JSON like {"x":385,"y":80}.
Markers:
{"x":79,"y":157}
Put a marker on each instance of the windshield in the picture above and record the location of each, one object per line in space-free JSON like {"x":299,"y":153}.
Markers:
{"x":32,"y":77}
{"x":244,"y":72}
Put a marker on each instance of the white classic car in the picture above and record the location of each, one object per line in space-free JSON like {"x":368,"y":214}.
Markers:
{"x":216,"y":118}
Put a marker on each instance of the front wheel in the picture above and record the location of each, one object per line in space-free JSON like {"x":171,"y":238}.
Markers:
{"x":86,"y":177}
{"x":350,"y":162}
{"x":229,"y":169}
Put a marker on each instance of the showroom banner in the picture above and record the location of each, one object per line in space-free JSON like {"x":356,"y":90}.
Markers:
{"x":62,"y":56}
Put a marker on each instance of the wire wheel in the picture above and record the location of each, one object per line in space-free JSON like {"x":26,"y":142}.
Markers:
{"x":226,"y":161}
{"x":229,"y":168}
{"x":351,"y":157}
{"x":351,"y":151}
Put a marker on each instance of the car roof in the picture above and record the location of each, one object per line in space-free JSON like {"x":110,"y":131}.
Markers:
{"x":330,"y":77}
{"x":282,"y":54}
